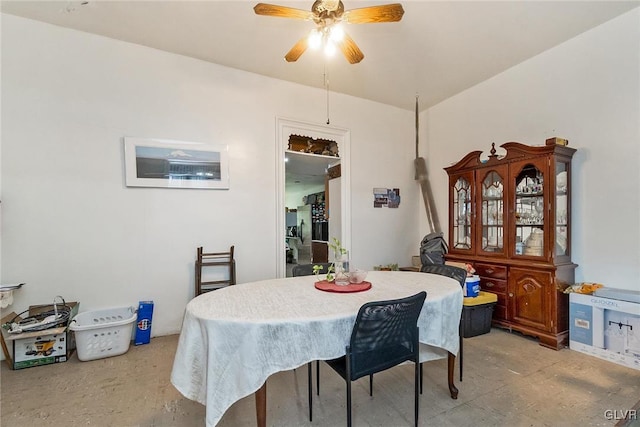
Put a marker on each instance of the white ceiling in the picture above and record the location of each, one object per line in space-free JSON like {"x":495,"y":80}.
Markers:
{"x":438,"y":49}
{"x":307,"y":169}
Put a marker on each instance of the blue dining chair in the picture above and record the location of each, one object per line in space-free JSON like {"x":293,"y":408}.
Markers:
{"x":384,"y":335}
{"x":459,"y":274}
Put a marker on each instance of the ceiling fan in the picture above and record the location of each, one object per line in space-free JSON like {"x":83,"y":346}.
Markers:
{"x":328,"y":15}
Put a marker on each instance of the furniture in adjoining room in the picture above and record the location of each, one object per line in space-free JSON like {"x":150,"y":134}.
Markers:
{"x":319,"y":252}
{"x":384,"y":335}
{"x":219,"y":266}
{"x":248,"y":325}
{"x":510,"y":218}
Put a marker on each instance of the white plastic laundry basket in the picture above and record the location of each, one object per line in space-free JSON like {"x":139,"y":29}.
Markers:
{"x":103,"y":333}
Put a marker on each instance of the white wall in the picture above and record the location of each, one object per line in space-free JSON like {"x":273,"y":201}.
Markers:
{"x":70,"y":227}
{"x":588,"y":91}
{"x":295,"y":193}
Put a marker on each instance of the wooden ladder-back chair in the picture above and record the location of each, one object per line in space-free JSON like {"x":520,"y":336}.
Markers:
{"x":215,"y":261}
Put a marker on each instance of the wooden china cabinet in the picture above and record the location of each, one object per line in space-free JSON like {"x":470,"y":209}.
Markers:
{"x":510,"y":218}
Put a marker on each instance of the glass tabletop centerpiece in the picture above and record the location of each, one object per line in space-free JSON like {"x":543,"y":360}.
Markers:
{"x":338,"y":271}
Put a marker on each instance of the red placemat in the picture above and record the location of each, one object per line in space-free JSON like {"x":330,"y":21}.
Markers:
{"x":351,"y":287}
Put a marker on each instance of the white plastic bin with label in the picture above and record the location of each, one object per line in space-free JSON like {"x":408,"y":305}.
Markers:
{"x":103,"y":333}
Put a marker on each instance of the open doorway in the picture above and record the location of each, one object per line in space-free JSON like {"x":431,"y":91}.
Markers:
{"x":316,"y":208}
{"x":313,"y":207}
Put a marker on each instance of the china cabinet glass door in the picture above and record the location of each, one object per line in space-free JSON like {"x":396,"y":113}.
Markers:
{"x":562,"y":237}
{"x":530,"y":211}
{"x":462,"y":212}
{"x":492,"y":208}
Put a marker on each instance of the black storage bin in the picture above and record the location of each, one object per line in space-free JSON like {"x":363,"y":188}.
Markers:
{"x":477,"y":314}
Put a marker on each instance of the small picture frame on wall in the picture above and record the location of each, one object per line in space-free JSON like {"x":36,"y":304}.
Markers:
{"x":175,"y":164}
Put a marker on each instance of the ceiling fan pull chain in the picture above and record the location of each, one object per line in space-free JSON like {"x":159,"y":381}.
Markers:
{"x":326,"y":85}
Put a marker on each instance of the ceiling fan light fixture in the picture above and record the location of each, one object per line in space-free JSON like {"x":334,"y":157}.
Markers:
{"x":330,"y":4}
{"x":328,"y":15}
{"x":336,"y":33}
{"x":315,"y":39}
{"x":330,"y":48}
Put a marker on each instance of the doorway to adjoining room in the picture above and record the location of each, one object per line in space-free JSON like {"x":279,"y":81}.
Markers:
{"x":313,"y":193}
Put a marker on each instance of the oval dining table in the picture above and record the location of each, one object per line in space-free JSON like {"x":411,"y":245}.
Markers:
{"x":234,"y":338}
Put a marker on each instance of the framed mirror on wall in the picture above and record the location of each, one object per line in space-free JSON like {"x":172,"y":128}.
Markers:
{"x":313,"y":192}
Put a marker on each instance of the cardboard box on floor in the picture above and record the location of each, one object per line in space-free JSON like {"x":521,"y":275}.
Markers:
{"x":37,"y":348}
{"x":605,"y":328}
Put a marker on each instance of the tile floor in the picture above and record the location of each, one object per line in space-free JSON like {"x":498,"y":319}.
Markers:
{"x":509,"y":380}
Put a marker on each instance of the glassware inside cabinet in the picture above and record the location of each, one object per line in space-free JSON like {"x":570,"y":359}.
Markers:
{"x":462,"y":210}
{"x":562,"y":208}
{"x":529,"y":212}
{"x":492,"y":213}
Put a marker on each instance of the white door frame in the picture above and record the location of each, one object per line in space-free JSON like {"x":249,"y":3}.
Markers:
{"x":285,"y":128}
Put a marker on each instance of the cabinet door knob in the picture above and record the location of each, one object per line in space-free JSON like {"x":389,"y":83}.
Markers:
{"x":510,"y":295}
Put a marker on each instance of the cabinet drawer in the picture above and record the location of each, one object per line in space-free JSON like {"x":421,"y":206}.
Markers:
{"x":493,"y":285}
{"x":490,"y":270}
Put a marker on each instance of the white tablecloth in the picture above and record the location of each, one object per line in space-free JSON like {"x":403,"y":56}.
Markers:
{"x":234,"y":338}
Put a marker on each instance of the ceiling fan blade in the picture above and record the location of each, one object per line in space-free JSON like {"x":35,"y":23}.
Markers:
{"x":297,"y":50}
{"x":282,"y":11}
{"x":350,"y":49}
{"x":374,"y":14}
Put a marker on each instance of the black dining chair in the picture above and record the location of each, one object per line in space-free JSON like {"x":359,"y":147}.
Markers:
{"x":384,"y":335}
{"x":307,"y":270}
{"x":459,"y":274}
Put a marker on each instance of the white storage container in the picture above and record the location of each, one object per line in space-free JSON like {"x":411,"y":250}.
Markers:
{"x":103,"y":333}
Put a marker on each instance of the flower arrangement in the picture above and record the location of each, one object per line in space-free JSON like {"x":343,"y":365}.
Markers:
{"x":318,"y":268}
{"x":338,"y":250}
{"x":337,"y":267}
